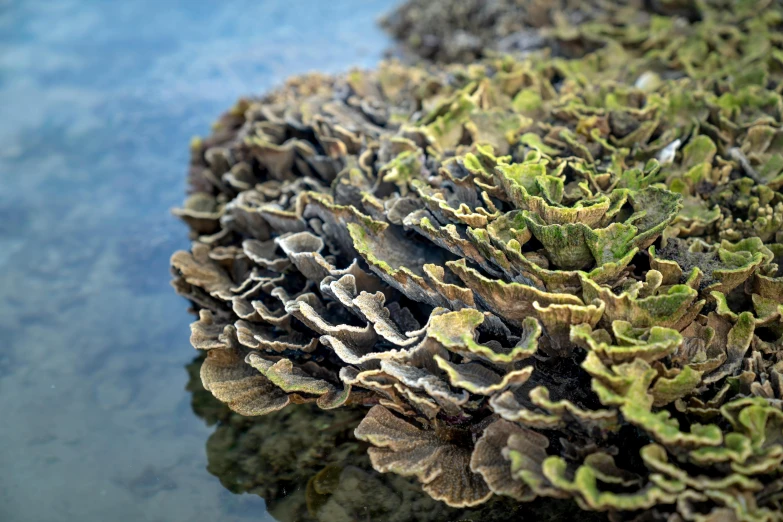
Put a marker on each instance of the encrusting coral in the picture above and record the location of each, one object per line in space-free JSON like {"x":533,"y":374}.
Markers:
{"x":545,"y":276}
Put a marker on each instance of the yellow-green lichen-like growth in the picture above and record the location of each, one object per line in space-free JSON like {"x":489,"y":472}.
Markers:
{"x":671,"y":307}
{"x":628,"y":387}
{"x":456,"y":331}
{"x":647,"y":344}
{"x":511,"y":301}
{"x":586,"y":487}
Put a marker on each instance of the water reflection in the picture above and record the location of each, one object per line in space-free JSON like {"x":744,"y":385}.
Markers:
{"x":307,"y":466}
{"x":305,"y":463}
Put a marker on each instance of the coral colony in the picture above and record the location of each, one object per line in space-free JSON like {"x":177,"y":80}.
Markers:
{"x":545,"y":258}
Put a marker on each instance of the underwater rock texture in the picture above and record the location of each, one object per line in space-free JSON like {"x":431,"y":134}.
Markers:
{"x":545,"y":277}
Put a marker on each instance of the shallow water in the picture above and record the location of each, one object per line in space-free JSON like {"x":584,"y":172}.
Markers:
{"x":99,"y":101}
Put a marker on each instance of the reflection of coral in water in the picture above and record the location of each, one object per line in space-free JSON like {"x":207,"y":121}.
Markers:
{"x":307,"y":465}
{"x":545,"y":277}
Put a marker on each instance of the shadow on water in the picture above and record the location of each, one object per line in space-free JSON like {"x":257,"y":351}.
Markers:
{"x":307,"y":466}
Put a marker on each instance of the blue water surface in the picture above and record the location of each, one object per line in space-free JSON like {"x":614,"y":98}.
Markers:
{"x":98,"y":101}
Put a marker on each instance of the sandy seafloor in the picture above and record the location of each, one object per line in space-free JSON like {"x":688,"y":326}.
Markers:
{"x":98,"y":101}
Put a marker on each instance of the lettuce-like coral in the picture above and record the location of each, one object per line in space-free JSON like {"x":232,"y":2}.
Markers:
{"x":548,"y":276}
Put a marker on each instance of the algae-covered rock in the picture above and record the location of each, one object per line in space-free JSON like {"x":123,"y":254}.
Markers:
{"x":553,"y":275}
